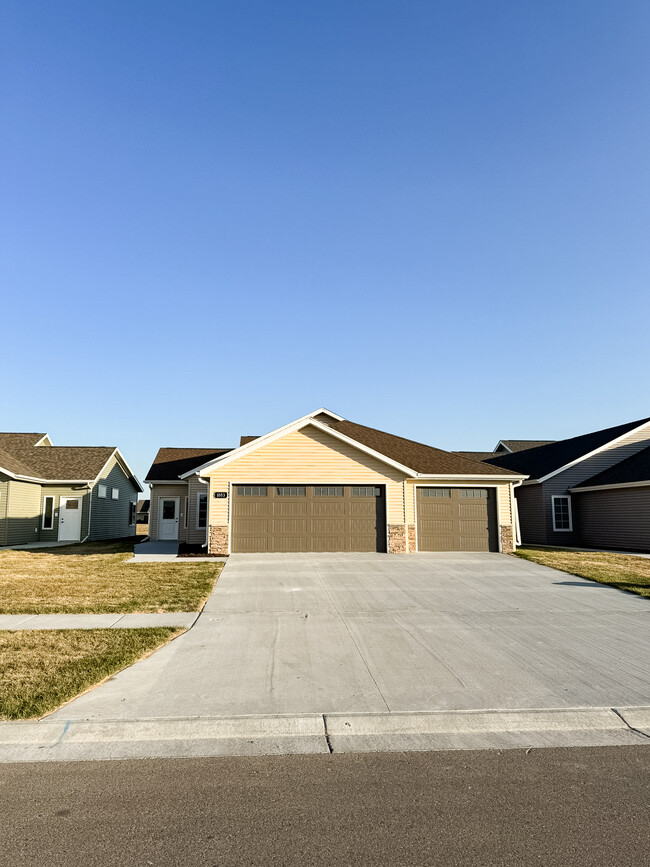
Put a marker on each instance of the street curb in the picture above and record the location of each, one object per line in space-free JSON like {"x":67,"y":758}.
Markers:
{"x":82,"y":740}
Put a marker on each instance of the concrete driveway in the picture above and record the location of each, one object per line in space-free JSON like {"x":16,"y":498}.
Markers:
{"x":307,"y":633}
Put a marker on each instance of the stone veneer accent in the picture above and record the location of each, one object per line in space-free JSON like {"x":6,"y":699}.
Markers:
{"x":396,"y":539}
{"x":507,"y":539}
{"x":218,"y":540}
{"x":411,"y":537}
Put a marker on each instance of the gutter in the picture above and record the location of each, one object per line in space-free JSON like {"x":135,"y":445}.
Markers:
{"x":515,"y":515}
{"x":90,"y":511}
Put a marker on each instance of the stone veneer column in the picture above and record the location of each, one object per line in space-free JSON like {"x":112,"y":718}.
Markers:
{"x":396,"y":539}
{"x":218,"y":541}
{"x":411,"y":538}
{"x":507,"y":539}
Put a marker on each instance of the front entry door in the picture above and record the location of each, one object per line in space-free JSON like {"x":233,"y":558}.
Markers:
{"x":70,"y":519}
{"x":168,"y":519}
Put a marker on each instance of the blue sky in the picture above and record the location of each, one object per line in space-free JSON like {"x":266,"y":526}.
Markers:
{"x":430,"y":217}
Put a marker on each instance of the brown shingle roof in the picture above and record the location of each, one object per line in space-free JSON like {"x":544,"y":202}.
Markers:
{"x":244,"y":440}
{"x":170,"y":463}
{"x":416,"y":456}
{"x":475,"y":456}
{"x":520,"y":445}
{"x":66,"y":463}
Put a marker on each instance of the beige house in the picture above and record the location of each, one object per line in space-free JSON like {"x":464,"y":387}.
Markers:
{"x":63,"y":493}
{"x":323,"y":483}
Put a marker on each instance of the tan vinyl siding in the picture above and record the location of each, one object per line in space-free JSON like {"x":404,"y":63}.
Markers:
{"x":109,"y":517}
{"x":58,"y":491}
{"x":504,"y":494}
{"x":157,"y":491}
{"x":23,"y":512}
{"x":308,"y":456}
{"x":618,"y":518}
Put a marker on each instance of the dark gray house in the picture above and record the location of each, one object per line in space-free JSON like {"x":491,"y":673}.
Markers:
{"x":591,"y":490}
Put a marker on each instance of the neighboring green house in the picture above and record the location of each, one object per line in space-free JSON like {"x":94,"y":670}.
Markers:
{"x":63,"y":493}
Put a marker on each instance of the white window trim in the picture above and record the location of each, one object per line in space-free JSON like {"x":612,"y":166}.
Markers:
{"x":200,"y":494}
{"x":101,"y":488}
{"x":43,"y":527}
{"x":133,"y":519}
{"x":115,"y":493}
{"x":185,"y":516}
{"x":566,"y":497}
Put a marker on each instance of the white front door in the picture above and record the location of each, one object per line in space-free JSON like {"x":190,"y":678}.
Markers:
{"x":70,"y":519}
{"x":168,"y":518}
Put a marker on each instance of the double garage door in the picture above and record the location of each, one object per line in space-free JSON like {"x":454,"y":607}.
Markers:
{"x":457,"y":519}
{"x":284,"y":518}
{"x":294,"y":518}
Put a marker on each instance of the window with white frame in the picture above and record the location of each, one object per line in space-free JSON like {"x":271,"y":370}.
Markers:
{"x":562,"y":519}
{"x":201,"y":511}
{"x":101,"y":492}
{"x":132,"y":510}
{"x":48,"y":513}
{"x":115,"y":493}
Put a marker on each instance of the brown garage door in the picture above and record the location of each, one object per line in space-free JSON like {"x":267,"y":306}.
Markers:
{"x":279,"y":518}
{"x":457,"y":519}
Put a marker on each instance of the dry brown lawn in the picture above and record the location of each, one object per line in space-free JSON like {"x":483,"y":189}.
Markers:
{"x":623,"y":571}
{"x":94,"y":579}
{"x":42,"y":669}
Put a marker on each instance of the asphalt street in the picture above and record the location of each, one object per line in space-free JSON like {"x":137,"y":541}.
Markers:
{"x":572,"y":806}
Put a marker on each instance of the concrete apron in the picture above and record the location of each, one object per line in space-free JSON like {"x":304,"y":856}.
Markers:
{"x":51,"y":740}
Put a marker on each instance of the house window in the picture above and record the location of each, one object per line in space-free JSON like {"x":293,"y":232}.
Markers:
{"x":48,"y":513}
{"x":290,"y":491}
{"x":365,"y":491}
{"x":562,"y":518}
{"x":132,"y":509}
{"x":185,"y":514}
{"x":101,"y":492}
{"x":201,"y":511}
{"x":115,"y":493}
{"x":251,"y":490}
{"x":328,"y":491}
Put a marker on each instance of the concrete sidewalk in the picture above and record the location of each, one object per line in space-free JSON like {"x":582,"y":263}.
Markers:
{"x":14,"y":622}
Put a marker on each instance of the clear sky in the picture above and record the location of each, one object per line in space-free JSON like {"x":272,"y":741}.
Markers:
{"x":431,"y":217}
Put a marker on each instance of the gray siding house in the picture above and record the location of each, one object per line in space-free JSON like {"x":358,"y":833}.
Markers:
{"x":63,"y":493}
{"x":587,"y":491}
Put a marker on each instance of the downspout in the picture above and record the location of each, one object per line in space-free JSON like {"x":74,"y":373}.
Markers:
{"x":515,"y":514}
{"x":207,"y":511}
{"x":90,"y":511}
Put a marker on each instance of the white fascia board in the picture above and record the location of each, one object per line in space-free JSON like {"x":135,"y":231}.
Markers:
{"x":235,"y":454}
{"x":501,"y":443}
{"x":492,"y":476}
{"x":579,"y":488}
{"x":44,"y":437}
{"x":39,"y":481}
{"x":594,"y":452}
{"x":117,"y":453}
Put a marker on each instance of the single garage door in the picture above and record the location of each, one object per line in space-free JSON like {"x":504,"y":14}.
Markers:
{"x":457,"y":519}
{"x":283,"y":518}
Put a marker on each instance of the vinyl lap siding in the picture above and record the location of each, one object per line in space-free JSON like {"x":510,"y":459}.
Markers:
{"x":4,"y":490}
{"x":23,"y":512}
{"x":308,"y":456}
{"x":157,"y":491}
{"x":109,"y":517}
{"x":532,"y":521}
{"x":561,"y":483}
{"x":618,"y":518}
{"x":195,"y":535}
{"x":58,"y":491}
